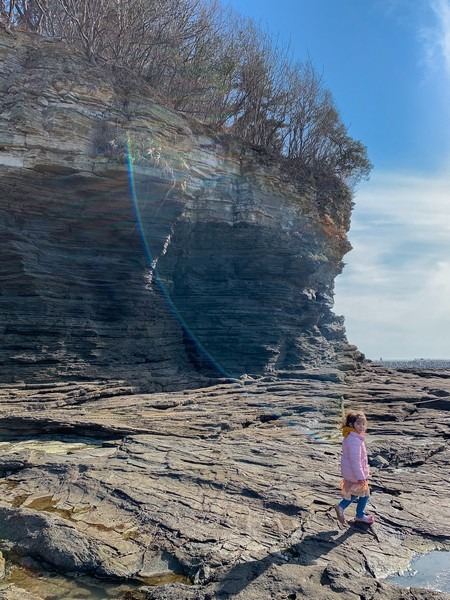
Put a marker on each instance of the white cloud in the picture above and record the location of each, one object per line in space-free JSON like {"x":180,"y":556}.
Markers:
{"x":441,"y":9}
{"x":395,"y":289}
{"x":436,"y":38}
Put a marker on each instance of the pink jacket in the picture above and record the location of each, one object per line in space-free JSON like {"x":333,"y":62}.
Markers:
{"x":354,"y":465}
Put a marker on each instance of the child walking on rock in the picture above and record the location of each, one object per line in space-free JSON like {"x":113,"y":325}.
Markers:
{"x":354,"y":468}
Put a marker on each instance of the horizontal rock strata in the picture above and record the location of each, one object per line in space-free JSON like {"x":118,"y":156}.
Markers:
{"x":228,"y":488}
{"x":136,"y":244}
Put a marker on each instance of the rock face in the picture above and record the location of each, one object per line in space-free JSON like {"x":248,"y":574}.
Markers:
{"x":136,"y":243}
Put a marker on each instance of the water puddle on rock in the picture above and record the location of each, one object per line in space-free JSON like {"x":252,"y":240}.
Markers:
{"x":431,"y":571}
{"x":50,"y":444}
{"x":50,"y":586}
{"x":58,"y":587}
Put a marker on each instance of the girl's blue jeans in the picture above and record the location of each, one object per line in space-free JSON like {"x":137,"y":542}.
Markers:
{"x":360,"y":507}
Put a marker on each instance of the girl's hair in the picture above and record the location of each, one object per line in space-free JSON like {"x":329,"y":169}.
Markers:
{"x":351,"y":417}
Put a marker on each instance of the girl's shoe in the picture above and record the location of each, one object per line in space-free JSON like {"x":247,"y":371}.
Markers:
{"x":369,"y":519}
{"x":340,"y":514}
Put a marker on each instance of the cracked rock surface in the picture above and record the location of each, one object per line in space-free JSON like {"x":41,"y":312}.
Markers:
{"x":227,"y":489}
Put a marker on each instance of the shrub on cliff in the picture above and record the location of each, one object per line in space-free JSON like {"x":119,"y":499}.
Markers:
{"x":214,"y":65}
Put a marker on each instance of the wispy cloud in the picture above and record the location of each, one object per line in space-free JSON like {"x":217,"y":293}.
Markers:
{"x":431,"y":21}
{"x":442,"y":10}
{"x":395,"y":289}
{"x":436,"y":38}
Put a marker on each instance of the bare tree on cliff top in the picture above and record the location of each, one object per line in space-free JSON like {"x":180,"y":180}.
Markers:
{"x":215,"y":65}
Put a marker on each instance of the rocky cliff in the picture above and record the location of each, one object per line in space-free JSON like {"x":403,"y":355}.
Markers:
{"x":138,"y":243}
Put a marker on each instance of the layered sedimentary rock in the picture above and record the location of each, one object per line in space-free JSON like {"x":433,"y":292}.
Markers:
{"x":135,"y":242}
{"x":224,"y":492}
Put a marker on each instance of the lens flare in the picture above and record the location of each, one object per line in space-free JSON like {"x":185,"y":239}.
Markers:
{"x":312,"y":433}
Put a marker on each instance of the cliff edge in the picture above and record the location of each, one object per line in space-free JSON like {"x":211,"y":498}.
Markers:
{"x":138,"y":243}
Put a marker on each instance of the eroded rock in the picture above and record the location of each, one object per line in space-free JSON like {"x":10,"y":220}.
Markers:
{"x":212,"y":263}
{"x":231,"y":487}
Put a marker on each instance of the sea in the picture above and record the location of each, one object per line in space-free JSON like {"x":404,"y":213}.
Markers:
{"x":415,"y":363}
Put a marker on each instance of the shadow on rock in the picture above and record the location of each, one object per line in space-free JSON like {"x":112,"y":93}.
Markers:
{"x":304,"y":553}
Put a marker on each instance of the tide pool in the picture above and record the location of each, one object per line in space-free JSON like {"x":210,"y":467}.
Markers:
{"x":431,"y":571}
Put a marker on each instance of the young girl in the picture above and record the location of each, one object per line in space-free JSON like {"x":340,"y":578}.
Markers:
{"x":354,"y":468}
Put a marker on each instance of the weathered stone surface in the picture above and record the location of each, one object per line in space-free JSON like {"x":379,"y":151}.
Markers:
{"x":231,"y":485}
{"x":137,"y":245}
{"x":13,"y":593}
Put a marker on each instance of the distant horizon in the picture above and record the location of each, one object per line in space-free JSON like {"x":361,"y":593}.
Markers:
{"x":382,"y":359}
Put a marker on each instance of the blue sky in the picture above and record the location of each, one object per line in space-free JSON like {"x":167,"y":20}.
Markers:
{"x":387,"y":64}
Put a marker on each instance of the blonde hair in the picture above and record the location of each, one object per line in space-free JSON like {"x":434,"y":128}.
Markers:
{"x":351,"y":417}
